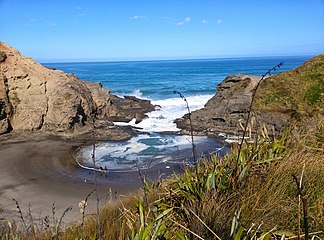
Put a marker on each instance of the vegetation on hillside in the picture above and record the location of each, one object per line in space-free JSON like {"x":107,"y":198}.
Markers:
{"x":299,"y":91}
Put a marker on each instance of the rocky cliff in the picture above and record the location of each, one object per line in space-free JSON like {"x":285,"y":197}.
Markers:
{"x":295,"y":96}
{"x":225,"y":110}
{"x":33,"y":97}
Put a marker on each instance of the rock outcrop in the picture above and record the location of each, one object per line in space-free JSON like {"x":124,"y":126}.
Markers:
{"x":292,"y":97}
{"x":33,"y":97}
{"x":127,"y":108}
{"x":225,"y":110}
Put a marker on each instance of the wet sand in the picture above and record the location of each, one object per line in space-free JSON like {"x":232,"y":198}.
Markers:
{"x":43,"y":171}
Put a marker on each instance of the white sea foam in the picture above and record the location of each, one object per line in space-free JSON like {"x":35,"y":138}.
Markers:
{"x":144,"y":150}
{"x":150,"y":147}
{"x":162,"y":119}
{"x":136,"y":93}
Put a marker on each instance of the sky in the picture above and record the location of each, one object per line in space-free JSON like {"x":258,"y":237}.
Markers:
{"x":117,"y":30}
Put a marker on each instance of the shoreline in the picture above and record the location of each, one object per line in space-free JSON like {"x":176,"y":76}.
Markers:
{"x":42,"y":171}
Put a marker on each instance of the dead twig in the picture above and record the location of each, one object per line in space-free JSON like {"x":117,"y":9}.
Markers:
{"x":303,"y":199}
{"x":194,"y":155}
{"x":250,"y":111}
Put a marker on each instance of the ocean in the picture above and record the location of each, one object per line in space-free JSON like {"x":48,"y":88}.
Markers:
{"x":156,"y":81}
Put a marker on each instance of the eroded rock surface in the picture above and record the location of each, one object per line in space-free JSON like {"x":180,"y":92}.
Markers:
{"x":33,"y":97}
{"x":225,"y":111}
{"x":127,"y":108}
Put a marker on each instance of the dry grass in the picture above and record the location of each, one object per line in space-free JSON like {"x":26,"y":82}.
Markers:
{"x":273,"y":200}
{"x":299,"y":91}
{"x":204,"y":203}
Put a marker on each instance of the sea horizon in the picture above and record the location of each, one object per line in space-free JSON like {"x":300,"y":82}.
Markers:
{"x":176,"y":59}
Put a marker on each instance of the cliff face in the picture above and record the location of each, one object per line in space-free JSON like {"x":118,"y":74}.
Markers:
{"x":295,"y":96}
{"x":225,"y":110}
{"x":33,"y":97}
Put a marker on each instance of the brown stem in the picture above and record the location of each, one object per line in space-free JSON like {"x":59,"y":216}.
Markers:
{"x":305,"y":213}
{"x":194,"y":155}
{"x":250,"y":110}
{"x":95,"y":180}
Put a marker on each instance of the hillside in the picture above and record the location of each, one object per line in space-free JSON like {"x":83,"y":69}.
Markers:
{"x":298,"y":93}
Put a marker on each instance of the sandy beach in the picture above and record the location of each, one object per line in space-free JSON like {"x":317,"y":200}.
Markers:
{"x":42,"y":171}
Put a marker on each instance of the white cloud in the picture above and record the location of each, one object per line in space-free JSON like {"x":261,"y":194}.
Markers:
{"x":180,"y":23}
{"x":136,"y":17}
{"x":219,"y":22}
{"x":186,"y":20}
{"x":204,"y":21}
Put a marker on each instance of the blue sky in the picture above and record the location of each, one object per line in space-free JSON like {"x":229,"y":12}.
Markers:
{"x":97,"y":30}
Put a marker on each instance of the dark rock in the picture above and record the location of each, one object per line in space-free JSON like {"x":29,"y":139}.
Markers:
{"x":127,"y":108}
{"x":3,"y":56}
{"x":225,"y":111}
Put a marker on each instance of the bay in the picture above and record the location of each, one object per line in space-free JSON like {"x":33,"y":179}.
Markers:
{"x":157,"y":80}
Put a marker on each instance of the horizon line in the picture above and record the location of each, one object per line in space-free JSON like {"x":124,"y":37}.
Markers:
{"x":171,"y":59}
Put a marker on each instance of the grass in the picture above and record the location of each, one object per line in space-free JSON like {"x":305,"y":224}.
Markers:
{"x":299,"y":91}
{"x":257,"y":200}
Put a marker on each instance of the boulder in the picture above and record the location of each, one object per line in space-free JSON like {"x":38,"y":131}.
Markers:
{"x":127,"y":108}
